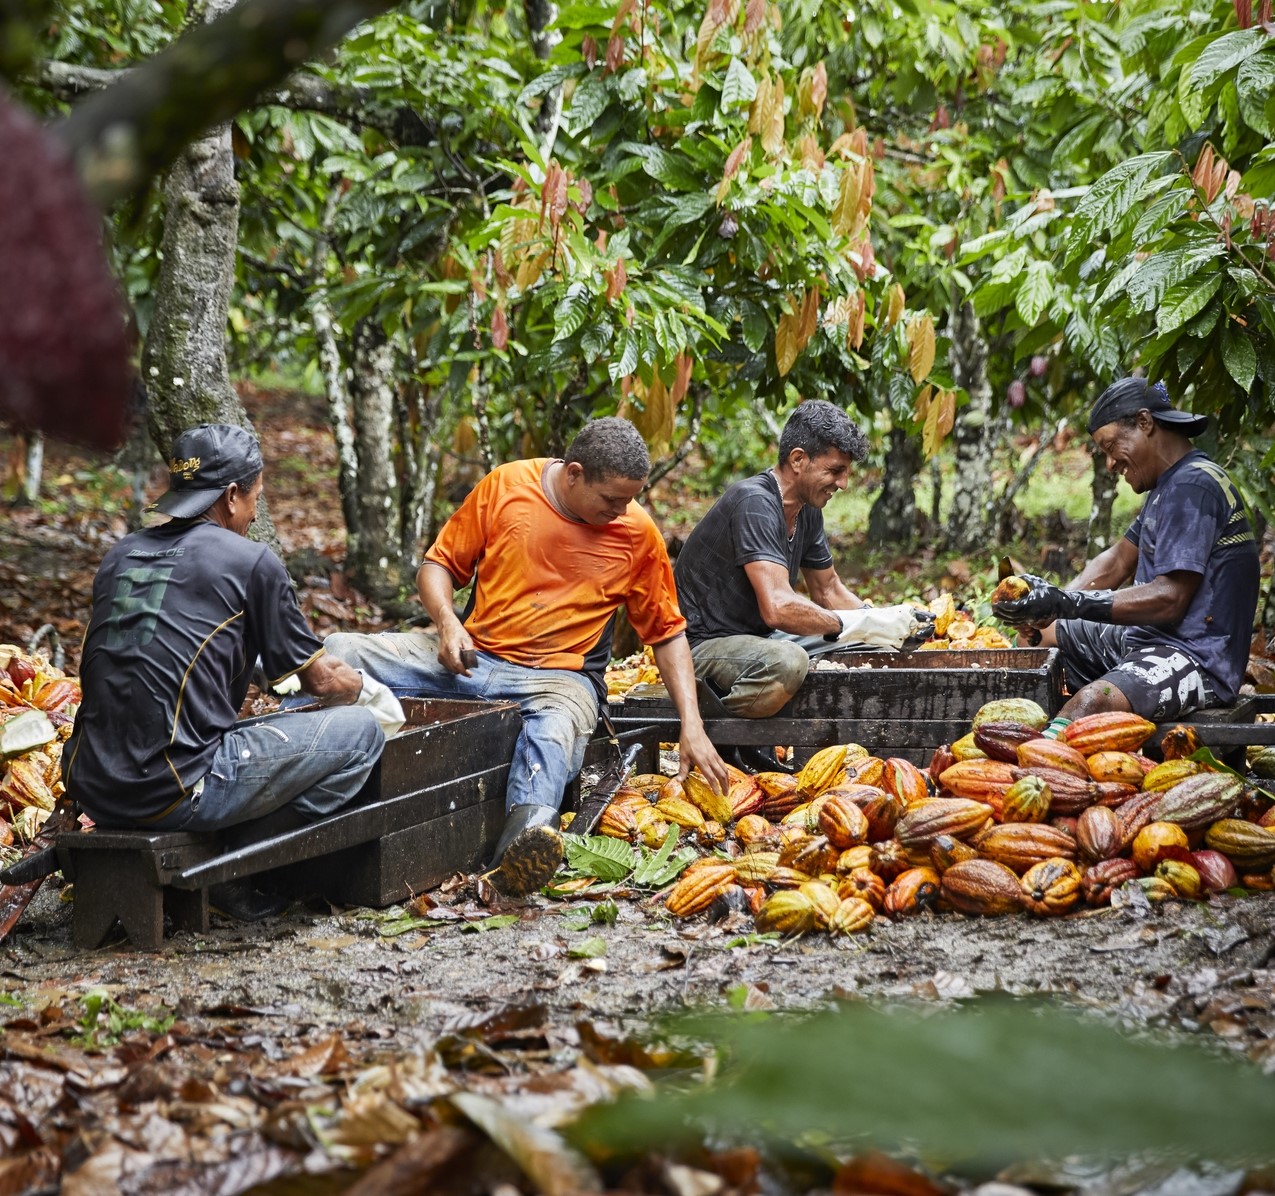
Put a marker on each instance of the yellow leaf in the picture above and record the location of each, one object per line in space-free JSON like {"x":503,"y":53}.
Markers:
{"x":938,"y":422}
{"x":847,"y":199}
{"x":946,"y":400}
{"x":809,"y":319}
{"x":772,"y":134}
{"x":894,"y":306}
{"x":854,"y":334}
{"x":867,"y":188}
{"x":838,"y":311}
{"x":920,"y":337}
{"x":761,"y":101}
{"x":681,"y":384}
{"x":922,"y":408}
{"x":786,"y":342}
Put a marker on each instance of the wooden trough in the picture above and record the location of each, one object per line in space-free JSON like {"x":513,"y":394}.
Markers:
{"x":434,"y":805}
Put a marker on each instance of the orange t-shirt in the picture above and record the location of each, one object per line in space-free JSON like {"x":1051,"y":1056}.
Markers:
{"x":547,"y":586}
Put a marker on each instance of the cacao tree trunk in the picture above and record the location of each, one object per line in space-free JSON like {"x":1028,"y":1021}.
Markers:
{"x":1103,"y":492}
{"x":184,"y":356}
{"x":892,"y":519}
{"x":969,"y":519}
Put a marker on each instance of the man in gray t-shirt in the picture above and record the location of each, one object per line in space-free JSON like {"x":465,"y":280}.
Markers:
{"x":1177,"y":638}
{"x":751,"y":632}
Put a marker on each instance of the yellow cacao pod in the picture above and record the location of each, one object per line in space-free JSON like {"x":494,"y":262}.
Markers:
{"x":680,"y":811}
{"x":864,"y":884}
{"x":822,"y":770}
{"x":966,"y":749}
{"x":823,"y":899}
{"x":788,"y":912}
{"x":852,"y":916}
{"x":1051,"y":887}
{"x":1116,"y":766}
{"x":712,"y":805}
{"x":1164,"y":776}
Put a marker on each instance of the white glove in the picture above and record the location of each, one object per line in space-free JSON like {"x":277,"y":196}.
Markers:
{"x":289,"y":685}
{"x":380,"y":700}
{"x":882,"y":627}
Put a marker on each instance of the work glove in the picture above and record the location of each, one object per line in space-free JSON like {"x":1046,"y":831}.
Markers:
{"x":291,"y":684}
{"x":380,"y":700}
{"x":1044,"y":603}
{"x":884,"y":626}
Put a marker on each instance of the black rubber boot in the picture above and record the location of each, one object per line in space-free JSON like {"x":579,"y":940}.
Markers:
{"x":529,"y":851}
{"x":241,"y":900}
{"x":268,"y":826}
{"x":759,"y":759}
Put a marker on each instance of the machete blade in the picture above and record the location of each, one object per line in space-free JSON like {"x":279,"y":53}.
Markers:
{"x":600,"y":796}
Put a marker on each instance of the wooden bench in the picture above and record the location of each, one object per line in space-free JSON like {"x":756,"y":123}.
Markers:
{"x":433,"y":806}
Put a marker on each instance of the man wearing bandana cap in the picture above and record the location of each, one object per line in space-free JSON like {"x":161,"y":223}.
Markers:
{"x":1177,"y":638}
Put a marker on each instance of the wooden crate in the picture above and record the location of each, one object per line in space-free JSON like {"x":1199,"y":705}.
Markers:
{"x":895,"y":704}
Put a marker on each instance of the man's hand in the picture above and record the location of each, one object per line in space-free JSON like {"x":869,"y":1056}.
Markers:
{"x":453,"y":642}
{"x":1044,"y":603}
{"x":695,"y":750}
{"x":884,"y":627}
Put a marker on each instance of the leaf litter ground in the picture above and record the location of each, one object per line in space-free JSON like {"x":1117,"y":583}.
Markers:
{"x":438,"y":1046}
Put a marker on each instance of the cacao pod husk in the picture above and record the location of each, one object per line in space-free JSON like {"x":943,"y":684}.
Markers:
{"x":756,"y":867}
{"x":1069,"y":794}
{"x":1134,"y":814}
{"x":680,"y":811}
{"x":1156,"y":888}
{"x":745,"y":797}
{"x":868,"y":771}
{"x":822,"y":770}
{"x":617,"y":822}
{"x":854,"y":857}
{"x":940,"y":762}
{"x":823,"y":899}
{"x":711,"y":834}
{"x":753,"y":828}
{"x":888,"y":859}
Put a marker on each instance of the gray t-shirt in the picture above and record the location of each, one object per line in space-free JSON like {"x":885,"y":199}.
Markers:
{"x":746,"y":524}
{"x":1194,"y":520}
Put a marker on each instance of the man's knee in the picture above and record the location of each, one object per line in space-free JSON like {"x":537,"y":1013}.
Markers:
{"x":1098,"y":697}
{"x":773,"y":683}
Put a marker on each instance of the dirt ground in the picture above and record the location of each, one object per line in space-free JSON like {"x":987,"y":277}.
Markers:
{"x":1204,"y":968}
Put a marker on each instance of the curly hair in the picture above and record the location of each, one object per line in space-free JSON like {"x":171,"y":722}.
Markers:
{"x":609,"y":447}
{"x":818,"y":426}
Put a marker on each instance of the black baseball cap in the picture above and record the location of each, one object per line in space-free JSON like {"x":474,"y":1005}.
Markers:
{"x":205,"y":460}
{"x":1131,"y":395}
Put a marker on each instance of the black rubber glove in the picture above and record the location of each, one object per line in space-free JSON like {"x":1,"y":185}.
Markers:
{"x":1045,"y":602}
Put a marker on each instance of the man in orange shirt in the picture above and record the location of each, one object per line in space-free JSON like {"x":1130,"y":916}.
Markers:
{"x":554,"y":548}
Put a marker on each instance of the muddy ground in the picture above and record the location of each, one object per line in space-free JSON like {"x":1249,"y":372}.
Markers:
{"x":1196,"y":968}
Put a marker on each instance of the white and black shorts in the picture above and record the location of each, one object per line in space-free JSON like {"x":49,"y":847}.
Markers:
{"x":1160,"y":682}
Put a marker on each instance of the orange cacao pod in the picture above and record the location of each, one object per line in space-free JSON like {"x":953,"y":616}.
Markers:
{"x":854,"y":857}
{"x":904,"y":780}
{"x":946,"y":851}
{"x":1152,"y":842}
{"x":868,"y":771}
{"x":978,"y":779}
{"x":745,"y":797}
{"x":1178,"y":742}
{"x":911,"y":892}
{"x":697,"y":889}
{"x":842,"y":822}
{"x":863,"y":884}
{"x":852,"y":916}
{"x":617,"y":822}
{"x":955,"y":816}
{"x":57,"y":694}
{"x":1116,"y":766}
{"x":1021,"y":845}
{"x":711,"y":834}
{"x":1051,"y":887}
{"x":889,"y":859}
{"x":1110,"y":731}
{"x":753,"y":828}
{"x":1049,"y":753}
{"x":982,"y":887}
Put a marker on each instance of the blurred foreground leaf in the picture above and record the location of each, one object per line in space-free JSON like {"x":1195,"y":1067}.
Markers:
{"x":991,"y":1082}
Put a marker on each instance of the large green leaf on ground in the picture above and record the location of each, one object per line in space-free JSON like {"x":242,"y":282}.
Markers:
{"x":987,"y":1082}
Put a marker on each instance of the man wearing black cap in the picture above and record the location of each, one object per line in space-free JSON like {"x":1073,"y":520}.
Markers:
{"x":1177,"y":639}
{"x":181,"y":613}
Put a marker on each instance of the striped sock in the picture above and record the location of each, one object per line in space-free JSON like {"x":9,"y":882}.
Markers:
{"x":1055,"y":728}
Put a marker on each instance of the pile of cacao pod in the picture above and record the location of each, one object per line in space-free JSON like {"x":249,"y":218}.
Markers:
{"x":1003,"y":821}
{"x":31,"y":749}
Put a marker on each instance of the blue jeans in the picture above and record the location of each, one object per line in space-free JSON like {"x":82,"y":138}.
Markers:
{"x":316,"y":762}
{"x":559,"y":707}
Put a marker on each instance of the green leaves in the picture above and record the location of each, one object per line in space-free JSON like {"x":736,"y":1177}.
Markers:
{"x":1185,"y":300}
{"x":1240,"y":357}
{"x":599,"y":855}
{"x":1034,"y":295}
{"x":1111,"y":198}
{"x":1199,"y":83}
